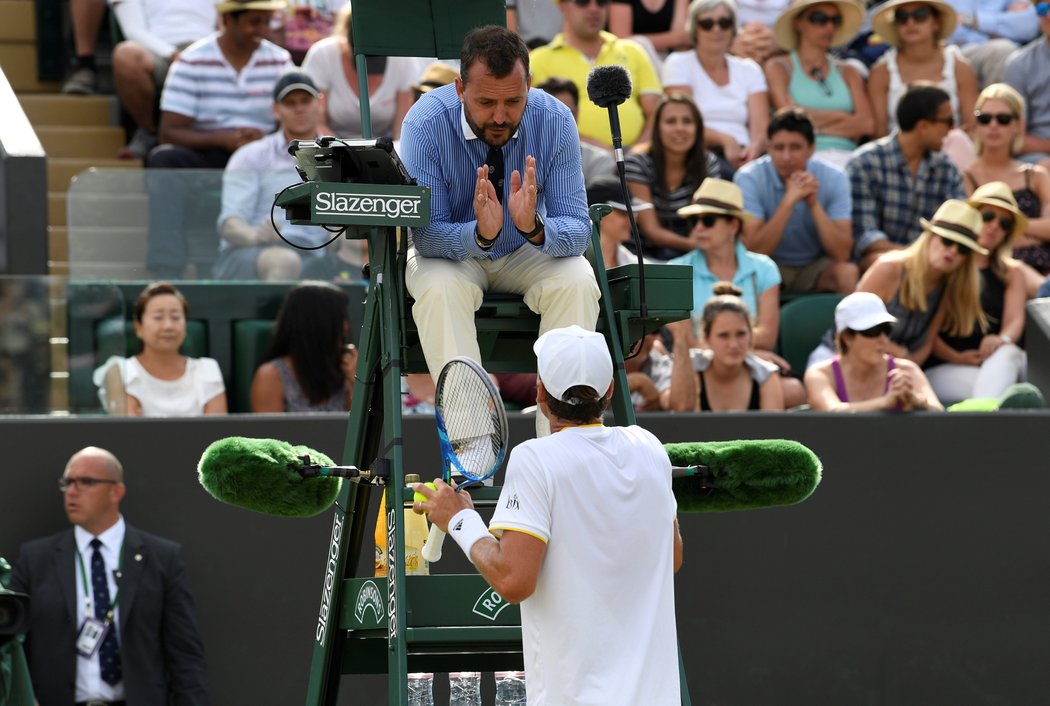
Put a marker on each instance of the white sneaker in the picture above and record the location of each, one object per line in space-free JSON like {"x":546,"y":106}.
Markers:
{"x":82,"y":82}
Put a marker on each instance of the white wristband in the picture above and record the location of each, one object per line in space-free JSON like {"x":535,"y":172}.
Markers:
{"x":467,"y":527}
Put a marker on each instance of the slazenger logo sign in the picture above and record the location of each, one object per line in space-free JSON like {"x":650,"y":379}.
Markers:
{"x":369,"y":597}
{"x":489,"y":604}
{"x":330,"y":203}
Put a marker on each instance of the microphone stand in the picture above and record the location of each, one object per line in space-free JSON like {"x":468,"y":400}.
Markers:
{"x":308,"y":469}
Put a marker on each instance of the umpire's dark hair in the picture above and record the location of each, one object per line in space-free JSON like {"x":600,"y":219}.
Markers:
{"x":590,"y":405}
{"x":793,"y":120}
{"x":557,"y":84}
{"x":497,"y":46}
{"x":921,"y":101}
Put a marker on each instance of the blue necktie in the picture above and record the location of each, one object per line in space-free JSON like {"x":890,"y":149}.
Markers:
{"x":494,"y":160}
{"x":109,"y":652}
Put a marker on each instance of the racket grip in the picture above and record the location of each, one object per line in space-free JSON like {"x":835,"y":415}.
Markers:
{"x":432,"y":549}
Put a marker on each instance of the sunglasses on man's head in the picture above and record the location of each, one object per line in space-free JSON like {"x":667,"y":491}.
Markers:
{"x":919,"y":14}
{"x":821,"y":18}
{"x":963,"y":249}
{"x":1042,"y":9}
{"x":1001,"y":118}
{"x":585,"y":3}
{"x":708,"y":219}
{"x":707,"y":24}
{"x":1006,"y":223}
{"x":882,"y":329}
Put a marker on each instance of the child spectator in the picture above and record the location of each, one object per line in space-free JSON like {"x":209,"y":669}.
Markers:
{"x":160,"y":381}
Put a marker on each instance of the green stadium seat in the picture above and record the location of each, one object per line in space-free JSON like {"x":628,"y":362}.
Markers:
{"x":251,"y":338}
{"x":802,"y":323}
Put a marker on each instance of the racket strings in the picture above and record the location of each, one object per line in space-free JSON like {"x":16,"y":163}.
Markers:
{"x":472,"y":421}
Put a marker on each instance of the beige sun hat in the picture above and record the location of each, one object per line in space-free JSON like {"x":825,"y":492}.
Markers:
{"x":436,"y":75}
{"x":883,"y":24}
{"x":957,"y":221}
{"x":241,"y":5}
{"x":997,"y":193}
{"x":717,"y":196}
{"x":787,"y":36}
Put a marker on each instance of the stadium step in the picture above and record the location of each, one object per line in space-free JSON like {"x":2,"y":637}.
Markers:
{"x":20,"y":66}
{"x":94,"y":142}
{"x":54,"y":109}
{"x":61,"y":170}
{"x":58,"y":250}
{"x":17,"y":21}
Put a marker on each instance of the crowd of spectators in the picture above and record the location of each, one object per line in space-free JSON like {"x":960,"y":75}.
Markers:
{"x":832,"y":133}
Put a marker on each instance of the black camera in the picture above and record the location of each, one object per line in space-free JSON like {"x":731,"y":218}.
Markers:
{"x":14,"y":614}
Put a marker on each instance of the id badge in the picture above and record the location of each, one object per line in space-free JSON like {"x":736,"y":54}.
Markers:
{"x":91,"y":635}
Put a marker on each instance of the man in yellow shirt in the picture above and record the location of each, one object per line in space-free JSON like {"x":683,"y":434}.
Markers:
{"x":583,"y":45}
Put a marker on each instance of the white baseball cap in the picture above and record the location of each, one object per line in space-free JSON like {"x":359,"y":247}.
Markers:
{"x":861,"y":311}
{"x":566,"y":357}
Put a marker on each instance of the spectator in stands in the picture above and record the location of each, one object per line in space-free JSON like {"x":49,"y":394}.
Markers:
{"x":864,"y":376}
{"x":986,"y":362}
{"x":649,"y":375}
{"x":931,"y":287}
{"x":615,"y":229}
{"x":754,"y":39}
{"x":667,"y":171}
{"x":800,"y":208}
{"x":217,"y":98}
{"x":916,"y":32}
{"x":309,"y":364}
{"x":333,"y":66}
{"x":658,"y":26}
{"x":597,"y":161}
{"x":731,"y":90}
{"x":722,"y":377}
{"x":1028,"y":72}
{"x":899,"y":179}
{"x":535,"y":21}
{"x":86,"y":16}
{"x":250,"y":247}
{"x":582,"y":45}
{"x":155,"y":33}
{"x":831,"y":92}
{"x":990,"y":30}
{"x":160,"y":381}
{"x":998,"y":136}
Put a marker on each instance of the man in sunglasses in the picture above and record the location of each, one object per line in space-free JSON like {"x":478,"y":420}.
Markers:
{"x":112,"y":620}
{"x":903,"y":177}
{"x":801,"y":207}
{"x":1028,"y":71}
{"x":582,"y":45}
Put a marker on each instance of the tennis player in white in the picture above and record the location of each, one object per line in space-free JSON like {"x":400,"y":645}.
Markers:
{"x":580,"y":539}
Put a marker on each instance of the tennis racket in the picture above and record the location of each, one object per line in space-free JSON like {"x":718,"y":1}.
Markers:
{"x":472,"y":431}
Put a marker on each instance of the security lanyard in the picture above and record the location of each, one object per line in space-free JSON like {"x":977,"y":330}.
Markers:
{"x":88,"y":612}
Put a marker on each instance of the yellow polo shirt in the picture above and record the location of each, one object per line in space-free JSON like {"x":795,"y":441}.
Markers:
{"x":559,"y":59}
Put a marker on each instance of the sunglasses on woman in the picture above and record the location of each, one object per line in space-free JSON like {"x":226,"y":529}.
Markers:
{"x":707,"y":24}
{"x":963,"y":249}
{"x":919,"y":14}
{"x":1001,"y":118}
{"x":882,"y":329}
{"x":1007,"y":224}
{"x":821,"y":18}
{"x":708,"y":219}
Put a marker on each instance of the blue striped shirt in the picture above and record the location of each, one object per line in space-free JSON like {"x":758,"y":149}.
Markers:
{"x":441,"y":151}
{"x":203,"y":85}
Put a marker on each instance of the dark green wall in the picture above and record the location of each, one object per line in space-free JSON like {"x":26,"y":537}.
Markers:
{"x":916,"y":574}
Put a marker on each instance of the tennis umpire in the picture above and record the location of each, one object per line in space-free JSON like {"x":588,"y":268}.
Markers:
{"x":582,"y":540}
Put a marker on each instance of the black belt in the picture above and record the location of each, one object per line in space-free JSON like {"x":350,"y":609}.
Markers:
{"x":99,"y":702}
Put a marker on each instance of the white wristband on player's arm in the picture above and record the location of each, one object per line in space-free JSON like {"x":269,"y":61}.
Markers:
{"x":467,"y":527}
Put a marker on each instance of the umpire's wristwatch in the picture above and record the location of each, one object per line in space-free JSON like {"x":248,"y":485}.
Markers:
{"x":483,"y":242}
{"x":535,"y":231}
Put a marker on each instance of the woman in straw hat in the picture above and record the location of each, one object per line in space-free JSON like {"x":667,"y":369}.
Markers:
{"x":988,"y":360}
{"x":730,"y":91}
{"x":1000,"y":129}
{"x":808,"y":77}
{"x":864,"y":376}
{"x":334,"y":70}
{"x":916,"y":32}
{"x":722,"y":377}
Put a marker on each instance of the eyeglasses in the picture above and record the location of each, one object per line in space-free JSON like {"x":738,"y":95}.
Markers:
{"x":883,"y":329}
{"x":1007,"y":224}
{"x":707,"y":24}
{"x":81,"y":483}
{"x":708,"y":219}
{"x":919,"y":14}
{"x":963,"y":249}
{"x":1001,"y":118}
{"x":1042,"y":9}
{"x":949,"y":121}
{"x":585,"y":3}
{"x":820,"y":18}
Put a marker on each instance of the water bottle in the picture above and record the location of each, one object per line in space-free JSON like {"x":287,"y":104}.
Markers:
{"x":510,"y":688}
{"x":420,"y":689}
{"x":465,"y":688}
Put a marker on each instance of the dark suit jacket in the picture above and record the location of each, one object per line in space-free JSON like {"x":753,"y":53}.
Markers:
{"x":160,"y":645}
